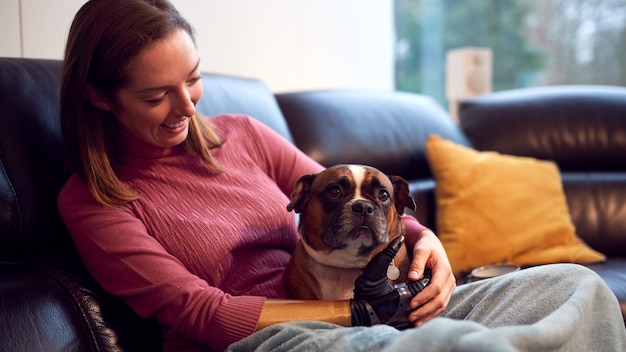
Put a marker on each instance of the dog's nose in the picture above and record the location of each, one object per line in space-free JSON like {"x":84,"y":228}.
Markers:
{"x":362,"y":207}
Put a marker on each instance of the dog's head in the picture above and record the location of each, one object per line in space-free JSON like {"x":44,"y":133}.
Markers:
{"x":349,"y":212}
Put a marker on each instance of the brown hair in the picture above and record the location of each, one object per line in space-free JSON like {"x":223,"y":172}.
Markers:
{"x":105,"y":36}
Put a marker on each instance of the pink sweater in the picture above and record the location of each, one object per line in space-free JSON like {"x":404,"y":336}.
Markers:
{"x":200,"y":250}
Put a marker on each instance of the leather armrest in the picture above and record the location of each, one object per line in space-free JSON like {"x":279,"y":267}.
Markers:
{"x":45,"y":308}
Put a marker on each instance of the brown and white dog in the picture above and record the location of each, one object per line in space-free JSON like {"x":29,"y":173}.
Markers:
{"x":348,"y":213}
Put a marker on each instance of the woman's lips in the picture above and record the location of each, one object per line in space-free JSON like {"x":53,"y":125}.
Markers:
{"x":176,"y":125}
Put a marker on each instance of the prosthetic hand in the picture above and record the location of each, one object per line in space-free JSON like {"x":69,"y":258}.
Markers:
{"x":378,"y":301}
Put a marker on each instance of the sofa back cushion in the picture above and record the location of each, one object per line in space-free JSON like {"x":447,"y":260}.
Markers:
{"x":581,"y":128}
{"x":237,"y":95}
{"x":384,"y":129}
{"x":32,"y":167}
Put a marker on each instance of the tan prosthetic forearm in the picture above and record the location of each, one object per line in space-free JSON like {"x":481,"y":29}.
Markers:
{"x":278,"y":311}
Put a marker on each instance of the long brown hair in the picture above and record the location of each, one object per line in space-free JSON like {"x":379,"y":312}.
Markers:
{"x":105,"y":36}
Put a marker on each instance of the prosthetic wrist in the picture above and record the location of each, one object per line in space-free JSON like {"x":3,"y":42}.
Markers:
{"x":376,"y":300}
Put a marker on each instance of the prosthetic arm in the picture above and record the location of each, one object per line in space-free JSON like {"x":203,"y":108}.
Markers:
{"x":376,"y":300}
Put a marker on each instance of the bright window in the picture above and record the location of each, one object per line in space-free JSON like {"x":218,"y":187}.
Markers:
{"x":534,"y":42}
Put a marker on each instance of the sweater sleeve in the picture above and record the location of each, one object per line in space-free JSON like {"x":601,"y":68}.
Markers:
{"x":131,"y":264}
{"x":413,"y":231}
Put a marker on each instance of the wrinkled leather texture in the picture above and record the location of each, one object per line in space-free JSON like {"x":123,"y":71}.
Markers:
{"x":583,"y":130}
{"x":35,"y":306}
{"x":48,"y":308}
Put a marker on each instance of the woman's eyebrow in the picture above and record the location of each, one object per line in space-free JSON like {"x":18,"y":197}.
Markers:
{"x":195,"y":68}
{"x":159,"y":88}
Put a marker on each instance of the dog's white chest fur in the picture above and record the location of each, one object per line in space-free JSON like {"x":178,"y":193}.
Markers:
{"x":345,"y":258}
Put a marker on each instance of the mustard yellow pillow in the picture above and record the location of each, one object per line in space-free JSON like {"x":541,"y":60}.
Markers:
{"x":494,"y":208}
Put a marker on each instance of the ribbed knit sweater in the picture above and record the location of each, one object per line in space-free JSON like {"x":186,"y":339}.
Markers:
{"x":200,"y":250}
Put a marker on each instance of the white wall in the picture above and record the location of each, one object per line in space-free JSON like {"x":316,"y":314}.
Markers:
{"x":289,"y":44}
{"x":10,"y":28}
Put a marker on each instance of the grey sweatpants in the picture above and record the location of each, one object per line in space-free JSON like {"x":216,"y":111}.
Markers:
{"x":560,"y":307}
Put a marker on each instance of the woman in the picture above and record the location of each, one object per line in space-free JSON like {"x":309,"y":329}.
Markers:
{"x":166,"y":208}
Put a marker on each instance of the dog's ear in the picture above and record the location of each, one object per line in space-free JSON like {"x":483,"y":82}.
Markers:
{"x":402,"y":196}
{"x":301,"y":193}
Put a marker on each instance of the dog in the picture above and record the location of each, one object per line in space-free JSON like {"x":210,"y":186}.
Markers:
{"x":348,"y":213}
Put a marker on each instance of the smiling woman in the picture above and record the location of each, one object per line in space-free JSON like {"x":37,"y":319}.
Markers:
{"x":161,"y":94}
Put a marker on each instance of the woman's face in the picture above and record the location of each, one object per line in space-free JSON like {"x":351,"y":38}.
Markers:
{"x":163,"y":90}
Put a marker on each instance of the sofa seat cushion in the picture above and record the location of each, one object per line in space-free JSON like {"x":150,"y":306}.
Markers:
{"x":494,"y":208}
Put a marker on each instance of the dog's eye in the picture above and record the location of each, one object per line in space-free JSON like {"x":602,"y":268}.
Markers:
{"x":383,"y":195}
{"x":333,"y":193}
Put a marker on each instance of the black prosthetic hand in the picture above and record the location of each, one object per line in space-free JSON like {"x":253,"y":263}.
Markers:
{"x":378,"y":301}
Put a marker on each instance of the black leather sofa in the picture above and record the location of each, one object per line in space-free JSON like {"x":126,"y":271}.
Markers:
{"x":48,"y":302}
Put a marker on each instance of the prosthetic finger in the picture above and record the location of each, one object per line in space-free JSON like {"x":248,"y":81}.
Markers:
{"x":373,"y":282}
{"x":376,"y":269}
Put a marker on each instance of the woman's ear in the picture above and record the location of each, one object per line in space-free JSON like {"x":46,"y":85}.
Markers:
{"x":97,"y":99}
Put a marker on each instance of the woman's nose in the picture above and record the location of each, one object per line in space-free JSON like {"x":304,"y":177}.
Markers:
{"x":185,"y":104}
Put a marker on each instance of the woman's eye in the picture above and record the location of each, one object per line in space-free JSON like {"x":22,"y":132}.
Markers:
{"x":195,"y":80}
{"x":333,"y":193}
{"x":383,"y":195}
{"x":155,"y":101}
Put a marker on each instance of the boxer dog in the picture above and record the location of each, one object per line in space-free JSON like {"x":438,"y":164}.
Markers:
{"x":348,"y":213}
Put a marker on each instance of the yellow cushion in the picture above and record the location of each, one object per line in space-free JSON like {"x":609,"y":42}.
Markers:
{"x":494,"y":208}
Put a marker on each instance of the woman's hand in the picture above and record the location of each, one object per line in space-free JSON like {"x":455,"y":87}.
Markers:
{"x":429,"y":252}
